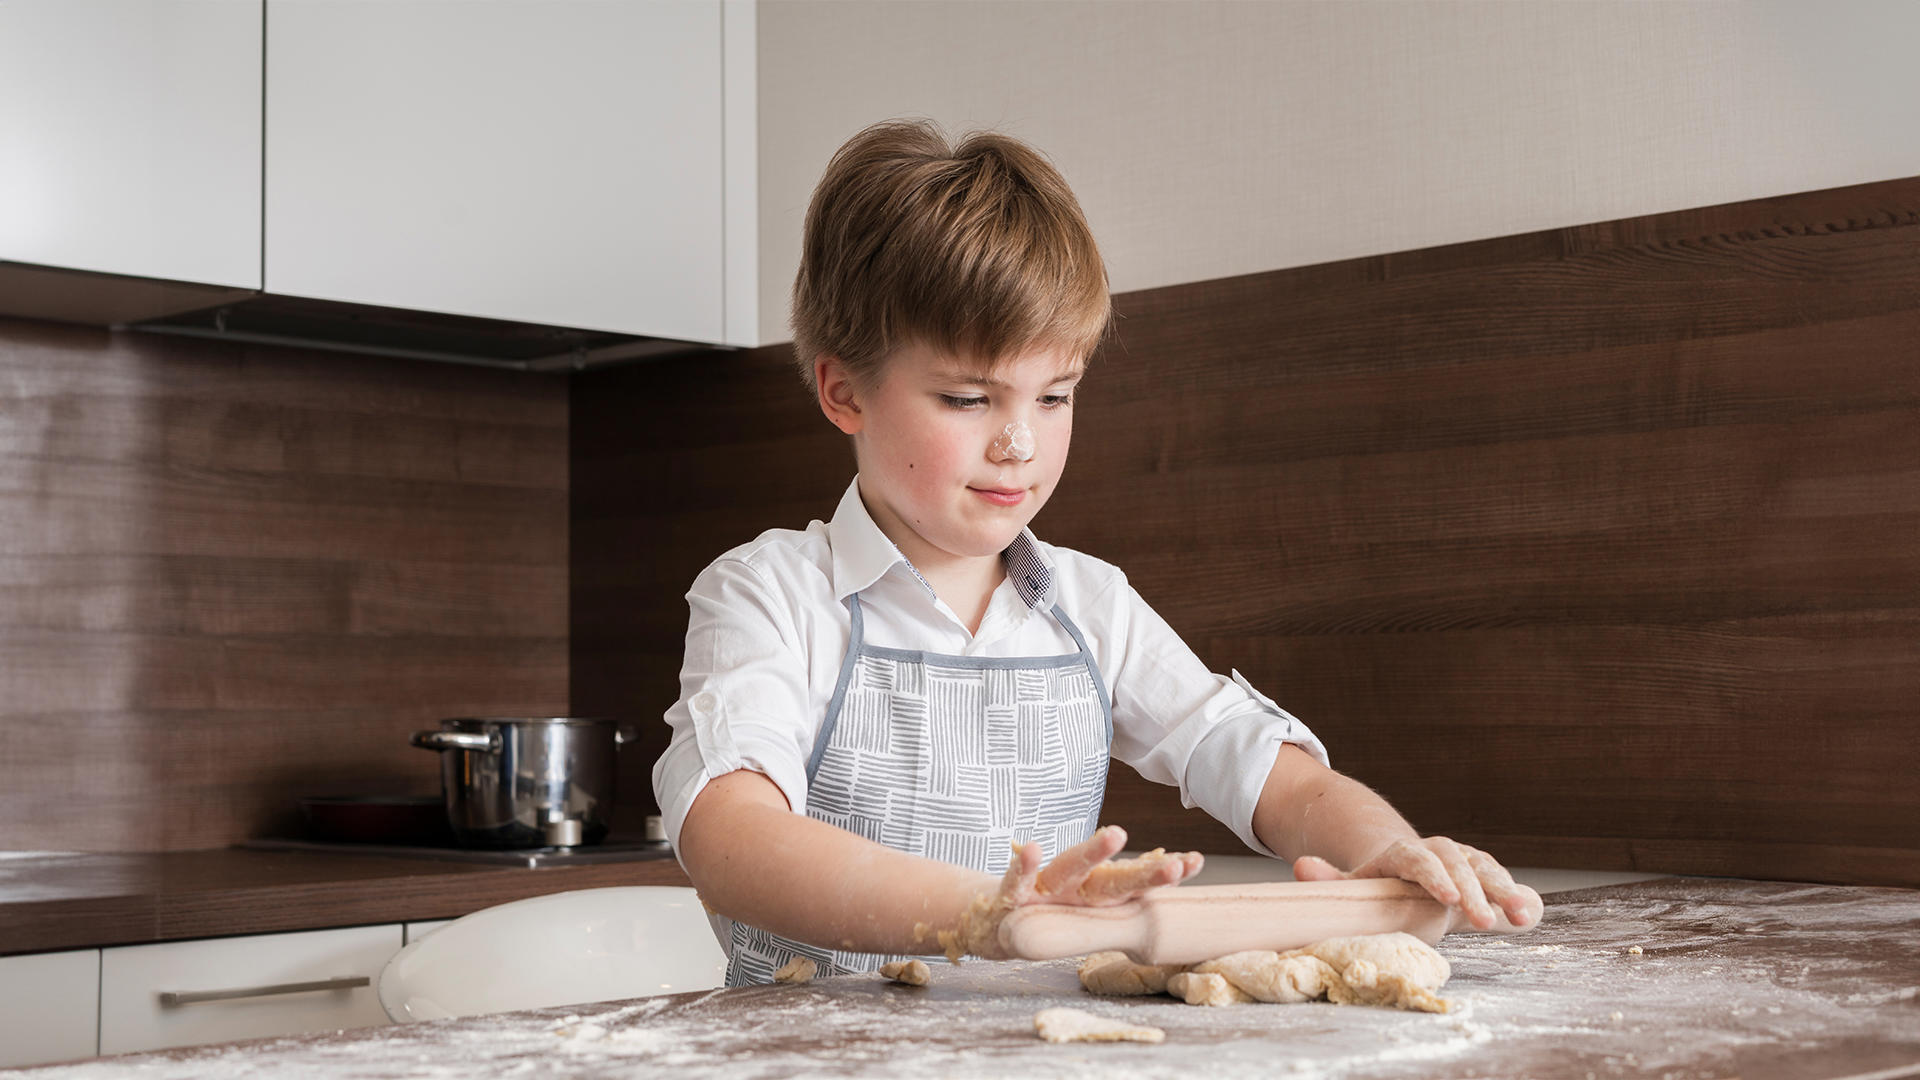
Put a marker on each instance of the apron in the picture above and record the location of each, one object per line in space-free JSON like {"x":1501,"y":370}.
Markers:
{"x":950,"y":757}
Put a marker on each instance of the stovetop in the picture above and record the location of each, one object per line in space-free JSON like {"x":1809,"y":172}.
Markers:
{"x":604,"y":852}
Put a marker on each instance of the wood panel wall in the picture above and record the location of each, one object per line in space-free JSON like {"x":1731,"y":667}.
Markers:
{"x":1598,"y":547}
{"x":230,"y":576}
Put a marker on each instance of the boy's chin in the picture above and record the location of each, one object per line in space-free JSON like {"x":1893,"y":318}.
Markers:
{"x":1001,"y":540}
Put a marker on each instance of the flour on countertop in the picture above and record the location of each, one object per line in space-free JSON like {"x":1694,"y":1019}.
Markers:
{"x":1702,"y":1002}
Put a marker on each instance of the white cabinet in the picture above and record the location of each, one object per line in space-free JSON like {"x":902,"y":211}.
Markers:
{"x":187,"y":992}
{"x":49,"y":1007}
{"x":130,"y":137}
{"x":549,"y":161}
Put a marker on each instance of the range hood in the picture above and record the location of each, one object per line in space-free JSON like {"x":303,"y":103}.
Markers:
{"x":253,"y":317}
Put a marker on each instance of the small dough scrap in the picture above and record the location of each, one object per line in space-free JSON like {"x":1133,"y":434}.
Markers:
{"x":1059,"y":1025}
{"x":587,"y":1032}
{"x":1265,"y":975}
{"x":797,"y":970}
{"x":911,"y":972}
{"x":1115,"y":974}
{"x":1206,"y":988}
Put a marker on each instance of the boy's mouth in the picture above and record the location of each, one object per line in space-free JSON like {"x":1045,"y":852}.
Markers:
{"x":1000,"y":496}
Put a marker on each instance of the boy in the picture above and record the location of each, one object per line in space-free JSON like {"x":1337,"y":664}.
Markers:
{"x":881,"y":714}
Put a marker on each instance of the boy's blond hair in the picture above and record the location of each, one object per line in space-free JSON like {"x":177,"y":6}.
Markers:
{"x":977,"y":251}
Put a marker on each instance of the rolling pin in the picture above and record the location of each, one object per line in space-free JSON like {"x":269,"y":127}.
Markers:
{"x":1191,"y":923}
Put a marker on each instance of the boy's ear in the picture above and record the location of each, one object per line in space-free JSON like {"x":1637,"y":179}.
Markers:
{"x":838,"y":398}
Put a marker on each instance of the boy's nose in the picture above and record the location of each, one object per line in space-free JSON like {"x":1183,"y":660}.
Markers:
{"x":1014,"y":443}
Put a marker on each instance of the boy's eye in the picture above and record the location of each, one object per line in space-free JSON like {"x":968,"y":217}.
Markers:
{"x":1054,"y":401}
{"x":953,"y":402}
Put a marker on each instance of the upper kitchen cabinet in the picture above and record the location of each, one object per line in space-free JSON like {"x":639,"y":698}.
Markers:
{"x":130,"y":138}
{"x":561,"y":162}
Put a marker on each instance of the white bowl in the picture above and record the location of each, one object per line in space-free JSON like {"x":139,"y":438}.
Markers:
{"x":563,"y":949}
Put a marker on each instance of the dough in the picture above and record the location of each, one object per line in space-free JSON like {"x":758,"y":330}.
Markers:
{"x":1072,"y":1025}
{"x":1113,"y":974}
{"x":1204,"y":988}
{"x":911,"y":972}
{"x":1267,"y":976}
{"x":1375,"y":969}
{"x":1384,"y":969}
{"x":797,"y":970}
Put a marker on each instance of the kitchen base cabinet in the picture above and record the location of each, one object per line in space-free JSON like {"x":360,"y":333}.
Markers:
{"x":189,"y":992}
{"x":49,"y":1007}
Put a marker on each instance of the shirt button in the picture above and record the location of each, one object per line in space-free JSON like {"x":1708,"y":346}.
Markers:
{"x":705,"y":701}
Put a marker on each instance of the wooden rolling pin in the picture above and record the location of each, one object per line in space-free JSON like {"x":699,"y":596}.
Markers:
{"x":1191,"y":923}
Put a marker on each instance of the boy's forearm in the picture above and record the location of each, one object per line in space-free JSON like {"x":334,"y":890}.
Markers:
{"x":1308,"y":809}
{"x":757,"y":862}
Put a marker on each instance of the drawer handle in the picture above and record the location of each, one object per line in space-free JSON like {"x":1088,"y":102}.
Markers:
{"x":171,"y":998}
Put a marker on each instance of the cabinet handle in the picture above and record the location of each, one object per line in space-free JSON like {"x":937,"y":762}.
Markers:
{"x":171,"y":998}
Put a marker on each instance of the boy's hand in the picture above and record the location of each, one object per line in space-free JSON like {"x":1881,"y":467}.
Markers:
{"x":1461,"y":877}
{"x":1082,"y":875}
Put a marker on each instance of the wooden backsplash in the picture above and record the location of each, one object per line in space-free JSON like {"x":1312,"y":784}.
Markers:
{"x":234,"y":575}
{"x":1597,"y":547}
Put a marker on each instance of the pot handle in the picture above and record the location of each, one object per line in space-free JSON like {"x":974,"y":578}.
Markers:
{"x":624,"y":735}
{"x":488,"y":743}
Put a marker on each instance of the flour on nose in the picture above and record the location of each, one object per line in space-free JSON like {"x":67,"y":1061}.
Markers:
{"x":1015,"y":442}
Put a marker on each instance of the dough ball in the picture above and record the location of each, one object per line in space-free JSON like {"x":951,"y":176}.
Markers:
{"x":911,"y":972}
{"x":1206,"y":988}
{"x":797,"y":970}
{"x":1072,"y":1025}
{"x":1112,"y":973}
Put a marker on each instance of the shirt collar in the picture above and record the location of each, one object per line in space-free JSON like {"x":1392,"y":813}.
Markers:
{"x":862,"y":554}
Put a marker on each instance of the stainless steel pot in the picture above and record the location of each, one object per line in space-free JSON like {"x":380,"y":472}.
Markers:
{"x":522,"y":782}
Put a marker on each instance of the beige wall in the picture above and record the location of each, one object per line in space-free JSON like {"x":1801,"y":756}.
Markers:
{"x":1213,"y":139}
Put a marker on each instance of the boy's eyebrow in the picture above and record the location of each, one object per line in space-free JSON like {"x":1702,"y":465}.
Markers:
{"x":974,"y":379}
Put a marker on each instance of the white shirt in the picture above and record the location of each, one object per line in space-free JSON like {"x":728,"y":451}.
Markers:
{"x":769,"y":627}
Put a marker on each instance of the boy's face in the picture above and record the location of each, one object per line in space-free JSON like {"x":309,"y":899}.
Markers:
{"x":936,"y":470}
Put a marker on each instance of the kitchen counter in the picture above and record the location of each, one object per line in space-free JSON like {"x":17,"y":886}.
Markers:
{"x":52,"y":902}
{"x":1733,"y":978}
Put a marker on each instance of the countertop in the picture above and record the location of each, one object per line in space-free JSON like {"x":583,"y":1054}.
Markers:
{"x":1734,"y":978}
{"x":53,"y":902}
{"x":56,"y":901}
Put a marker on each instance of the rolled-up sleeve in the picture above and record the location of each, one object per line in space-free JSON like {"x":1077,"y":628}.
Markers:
{"x":1214,"y":737}
{"x":743,"y":694}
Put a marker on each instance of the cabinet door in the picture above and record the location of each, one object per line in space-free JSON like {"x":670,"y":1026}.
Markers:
{"x":548,"y":161}
{"x":49,"y":1007}
{"x":130,"y":137}
{"x":135,"y":1013}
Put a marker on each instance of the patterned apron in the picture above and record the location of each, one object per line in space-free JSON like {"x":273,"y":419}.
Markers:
{"x":950,"y":757}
